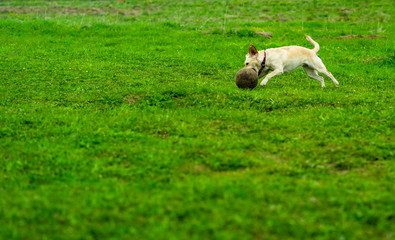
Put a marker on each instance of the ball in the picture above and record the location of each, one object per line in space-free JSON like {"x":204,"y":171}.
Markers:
{"x":246,"y":78}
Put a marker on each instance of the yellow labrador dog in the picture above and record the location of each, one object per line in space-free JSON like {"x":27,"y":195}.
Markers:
{"x":285,"y":59}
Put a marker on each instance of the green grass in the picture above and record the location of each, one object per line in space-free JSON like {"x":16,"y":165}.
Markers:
{"x":121,"y":120}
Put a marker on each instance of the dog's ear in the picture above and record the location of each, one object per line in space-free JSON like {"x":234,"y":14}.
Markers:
{"x":252,"y":50}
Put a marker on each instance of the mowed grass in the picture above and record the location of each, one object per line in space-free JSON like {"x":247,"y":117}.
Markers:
{"x":121,"y":120}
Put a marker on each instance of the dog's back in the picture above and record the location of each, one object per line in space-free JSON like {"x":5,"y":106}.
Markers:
{"x":289,"y":57}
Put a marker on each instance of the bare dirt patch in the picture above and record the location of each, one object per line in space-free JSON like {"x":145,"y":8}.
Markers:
{"x":265,"y":34}
{"x":132,"y":99}
{"x":63,"y":10}
{"x":194,"y":168}
{"x":352,"y":36}
{"x":374,"y":59}
{"x":361,"y":36}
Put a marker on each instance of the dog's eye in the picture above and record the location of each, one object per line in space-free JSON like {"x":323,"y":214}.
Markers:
{"x":246,"y":64}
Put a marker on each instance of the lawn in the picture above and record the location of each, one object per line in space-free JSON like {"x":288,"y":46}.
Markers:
{"x":122,"y":120}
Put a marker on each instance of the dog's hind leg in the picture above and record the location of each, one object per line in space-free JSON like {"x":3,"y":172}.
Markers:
{"x":320,"y":67}
{"x":328,"y":74}
{"x":313,"y":74}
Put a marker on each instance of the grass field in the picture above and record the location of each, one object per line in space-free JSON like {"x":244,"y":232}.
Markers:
{"x":121,"y":120}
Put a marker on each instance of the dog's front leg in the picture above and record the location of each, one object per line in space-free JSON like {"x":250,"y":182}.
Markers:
{"x":270,"y":75}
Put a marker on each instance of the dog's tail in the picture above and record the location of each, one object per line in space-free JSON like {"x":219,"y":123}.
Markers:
{"x":316,"y":46}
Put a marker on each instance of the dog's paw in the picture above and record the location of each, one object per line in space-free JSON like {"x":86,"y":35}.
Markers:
{"x":263,"y":83}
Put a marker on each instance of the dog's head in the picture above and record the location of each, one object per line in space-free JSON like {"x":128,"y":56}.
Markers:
{"x":252,"y":58}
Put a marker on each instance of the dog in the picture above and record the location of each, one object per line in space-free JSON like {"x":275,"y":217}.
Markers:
{"x":285,"y":59}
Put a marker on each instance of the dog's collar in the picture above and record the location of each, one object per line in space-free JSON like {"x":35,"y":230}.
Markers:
{"x":263,"y":64}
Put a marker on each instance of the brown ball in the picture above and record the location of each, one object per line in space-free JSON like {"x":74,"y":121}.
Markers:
{"x":246,"y":78}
